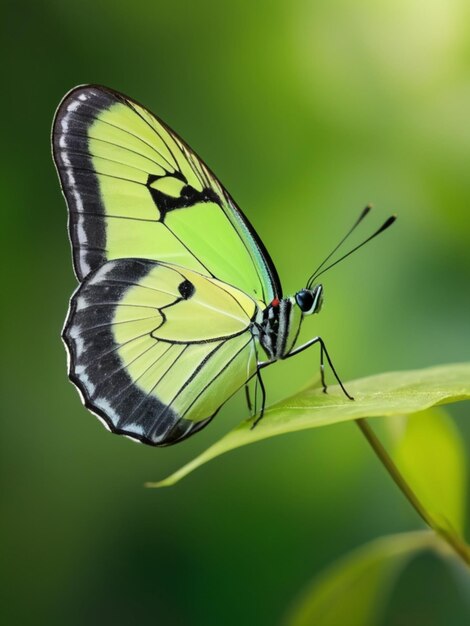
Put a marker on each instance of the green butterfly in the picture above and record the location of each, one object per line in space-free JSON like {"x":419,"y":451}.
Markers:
{"x":179,"y":304}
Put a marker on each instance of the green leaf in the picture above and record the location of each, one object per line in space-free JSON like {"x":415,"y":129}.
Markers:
{"x":355,"y":589}
{"x":429,"y":453}
{"x":394,"y":393}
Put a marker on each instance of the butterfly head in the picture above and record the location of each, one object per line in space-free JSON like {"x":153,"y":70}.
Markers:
{"x":310,"y":300}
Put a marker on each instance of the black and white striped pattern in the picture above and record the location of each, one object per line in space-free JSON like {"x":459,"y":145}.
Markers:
{"x":272,"y":328}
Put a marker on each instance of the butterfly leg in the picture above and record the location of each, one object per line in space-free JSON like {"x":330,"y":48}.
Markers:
{"x":263,"y":398}
{"x":248,"y":398}
{"x":323,"y":353}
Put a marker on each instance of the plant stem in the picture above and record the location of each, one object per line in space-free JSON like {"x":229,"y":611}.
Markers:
{"x":447,"y":534}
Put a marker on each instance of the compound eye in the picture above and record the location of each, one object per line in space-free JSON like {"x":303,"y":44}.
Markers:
{"x":304,"y":300}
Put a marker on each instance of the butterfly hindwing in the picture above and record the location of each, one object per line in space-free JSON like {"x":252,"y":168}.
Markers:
{"x":135,"y":189}
{"x":156,"y":349}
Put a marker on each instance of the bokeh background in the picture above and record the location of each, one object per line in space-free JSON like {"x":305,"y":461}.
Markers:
{"x":307,"y":110}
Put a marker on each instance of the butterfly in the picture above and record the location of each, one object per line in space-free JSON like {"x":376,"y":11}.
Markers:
{"x":179,"y":303}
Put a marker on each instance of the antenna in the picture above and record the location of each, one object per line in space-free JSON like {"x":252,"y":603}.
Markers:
{"x":364,"y":212}
{"x":388,"y":222}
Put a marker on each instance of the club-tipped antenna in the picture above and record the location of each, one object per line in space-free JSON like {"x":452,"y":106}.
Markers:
{"x":388,"y":222}
{"x":364,"y":212}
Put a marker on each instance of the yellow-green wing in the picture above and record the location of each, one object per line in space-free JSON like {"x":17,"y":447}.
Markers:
{"x":156,"y":349}
{"x":135,"y":189}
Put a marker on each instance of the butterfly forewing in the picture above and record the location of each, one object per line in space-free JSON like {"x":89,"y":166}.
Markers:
{"x":135,"y":189}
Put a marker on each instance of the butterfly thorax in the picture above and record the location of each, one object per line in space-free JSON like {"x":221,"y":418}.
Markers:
{"x":277,"y":326}
{"x":272,"y":327}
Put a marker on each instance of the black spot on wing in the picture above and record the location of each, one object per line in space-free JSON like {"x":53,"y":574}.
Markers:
{"x":186,"y":289}
{"x":187,"y":198}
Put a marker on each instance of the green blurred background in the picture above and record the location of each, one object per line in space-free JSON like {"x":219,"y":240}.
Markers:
{"x":307,"y":110}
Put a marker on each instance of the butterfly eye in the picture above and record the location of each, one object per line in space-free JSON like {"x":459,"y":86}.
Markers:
{"x":304,"y":299}
{"x":310,"y":300}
